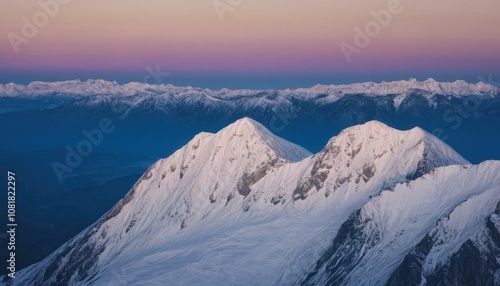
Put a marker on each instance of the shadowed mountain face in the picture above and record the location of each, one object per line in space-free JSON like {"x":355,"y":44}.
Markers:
{"x":372,"y":202}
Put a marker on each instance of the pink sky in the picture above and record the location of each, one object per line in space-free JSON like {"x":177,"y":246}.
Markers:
{"x":293,"y":36}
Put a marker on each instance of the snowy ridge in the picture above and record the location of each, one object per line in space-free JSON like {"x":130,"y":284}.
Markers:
{"x":399,"y":213}
{"x":243,"y":201}
{"x":431,"y":258}
{"x":102,"y":87}
{"x":374,"y":150}
{"x":177,"y":101}
{"x":464,"y":222}
{"x":459,"y":87}
{"x":371,"y":243}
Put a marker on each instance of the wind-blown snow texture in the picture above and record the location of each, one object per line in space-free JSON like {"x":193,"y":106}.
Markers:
{"x":244,"y":207}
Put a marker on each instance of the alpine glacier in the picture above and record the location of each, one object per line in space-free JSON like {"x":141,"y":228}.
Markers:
{"x":377,"y":206}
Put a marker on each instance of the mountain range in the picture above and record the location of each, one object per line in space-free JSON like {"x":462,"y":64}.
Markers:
{"x":102,"y":87}
{"x":376,"y":206}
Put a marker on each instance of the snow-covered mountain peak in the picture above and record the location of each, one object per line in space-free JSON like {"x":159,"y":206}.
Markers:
{"x":246,"y":127}
{"x":370,"y":127}
{"x":379,"y":135}
{"x":215,"y":170}
{"x":209,"y":180}
{"x":243,"y":194}
{"x":360,"y":156}
{"x":253,"y":133}
{"x":244,"y":148}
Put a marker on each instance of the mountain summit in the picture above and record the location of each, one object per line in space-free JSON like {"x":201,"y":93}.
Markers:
{"x":254,"y":133}
{"x":245,"y":207}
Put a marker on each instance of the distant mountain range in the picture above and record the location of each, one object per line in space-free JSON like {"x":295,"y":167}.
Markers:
{"x":102,"y":87}
{"x":376,"y":206}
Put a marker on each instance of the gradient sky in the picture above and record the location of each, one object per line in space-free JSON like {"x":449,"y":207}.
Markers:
{"x":261,"y":43}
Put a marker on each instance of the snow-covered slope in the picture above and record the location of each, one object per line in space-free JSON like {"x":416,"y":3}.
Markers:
{"x":245,"y":207}
{"x":372,"y":157}
{"x":467,"y":239}
{"x":209,"y":179}
{"x":375,"y":239}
